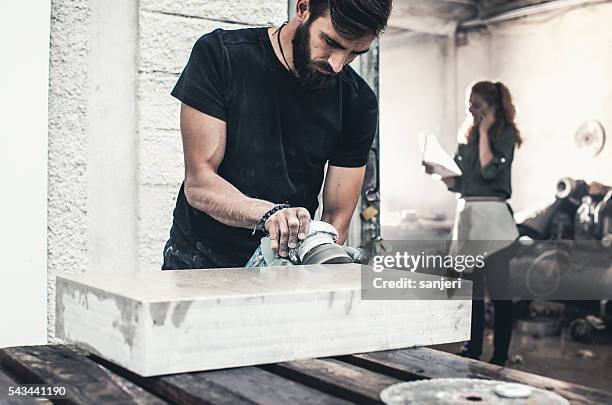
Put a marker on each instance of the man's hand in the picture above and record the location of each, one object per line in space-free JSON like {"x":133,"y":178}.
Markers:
{"x":286,"y":227}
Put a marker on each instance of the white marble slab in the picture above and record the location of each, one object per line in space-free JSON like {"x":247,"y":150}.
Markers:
{"x":157,"y":323}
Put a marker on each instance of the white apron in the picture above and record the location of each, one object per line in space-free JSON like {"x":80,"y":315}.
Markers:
{"x":483,"y":225}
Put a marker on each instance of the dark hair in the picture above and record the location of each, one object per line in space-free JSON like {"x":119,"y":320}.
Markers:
{"x":497,"y":95}
{"x":354,"y":18}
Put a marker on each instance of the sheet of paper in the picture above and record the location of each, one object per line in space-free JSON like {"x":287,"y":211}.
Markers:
{"x":435,"y":156}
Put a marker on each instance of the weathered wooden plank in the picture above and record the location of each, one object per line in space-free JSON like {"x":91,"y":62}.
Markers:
{"x":263,"y":387}
{"x":430,"y":363}
{"x":86,"y":382}
{"x":338,"y":378}
{"x":178,"y":388}
{"x":245,"y":385}
{"x":158,"y":323}
{"x":7,"y":381}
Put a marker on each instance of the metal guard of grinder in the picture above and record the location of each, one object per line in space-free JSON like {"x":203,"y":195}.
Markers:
{"x":318,"y":247}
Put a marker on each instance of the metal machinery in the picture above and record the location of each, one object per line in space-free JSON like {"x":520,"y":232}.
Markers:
{"x":577,"y":230}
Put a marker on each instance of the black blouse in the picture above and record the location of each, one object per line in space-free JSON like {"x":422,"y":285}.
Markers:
{"x":492,"y":180}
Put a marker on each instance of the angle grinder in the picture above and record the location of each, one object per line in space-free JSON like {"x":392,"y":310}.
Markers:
{"x":318,"y":247}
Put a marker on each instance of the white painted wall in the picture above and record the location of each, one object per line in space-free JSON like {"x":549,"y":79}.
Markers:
{"x":413,"y":100}
{"x":556,"y":65}
{"x":559,"y":69}
{"x":23,"y":171}
{"x":111,"y":136}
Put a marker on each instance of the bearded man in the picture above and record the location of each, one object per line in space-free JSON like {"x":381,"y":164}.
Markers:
{"x":263,"y":110}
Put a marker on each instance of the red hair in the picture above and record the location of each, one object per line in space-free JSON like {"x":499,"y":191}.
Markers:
{"x":497,"y":95}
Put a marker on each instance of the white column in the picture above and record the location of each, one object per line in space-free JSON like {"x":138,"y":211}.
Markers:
{"x":24,"y":40}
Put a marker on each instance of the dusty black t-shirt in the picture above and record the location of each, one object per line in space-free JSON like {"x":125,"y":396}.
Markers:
{"x":279,"y":134}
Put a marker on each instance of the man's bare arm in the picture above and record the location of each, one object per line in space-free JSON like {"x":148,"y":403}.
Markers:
{"x":204,"y":139}
{"x":340,"y":196}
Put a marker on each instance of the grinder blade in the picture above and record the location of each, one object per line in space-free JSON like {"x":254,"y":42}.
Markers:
{"x":327,"y":254}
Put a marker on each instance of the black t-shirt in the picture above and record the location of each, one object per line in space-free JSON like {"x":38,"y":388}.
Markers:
{"x":279,"y":134}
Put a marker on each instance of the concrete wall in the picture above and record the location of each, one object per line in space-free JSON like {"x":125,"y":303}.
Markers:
{"x":115,"y":157}
{"x":23,"y":171}
{"x":68,"y":103}
{"x":556,"y":65}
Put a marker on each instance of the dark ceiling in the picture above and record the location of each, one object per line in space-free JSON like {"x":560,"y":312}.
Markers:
{"x":438,"y":16}
{"x":489,"y":8}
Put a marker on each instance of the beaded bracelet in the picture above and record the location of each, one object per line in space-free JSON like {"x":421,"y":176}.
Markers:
{"x":261,"y":225}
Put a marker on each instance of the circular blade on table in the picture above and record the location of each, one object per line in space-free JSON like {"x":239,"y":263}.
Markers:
{"x":447,"y":391}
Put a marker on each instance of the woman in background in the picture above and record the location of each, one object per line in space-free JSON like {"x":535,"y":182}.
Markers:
{"x":484,"y":221}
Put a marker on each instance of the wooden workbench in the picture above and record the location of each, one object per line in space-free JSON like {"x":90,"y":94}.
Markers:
{"x":341,"y":380}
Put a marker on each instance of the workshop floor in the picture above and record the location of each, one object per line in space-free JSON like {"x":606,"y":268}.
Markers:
{"x":557,"y":357}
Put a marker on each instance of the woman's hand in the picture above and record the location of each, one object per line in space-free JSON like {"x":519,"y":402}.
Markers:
{"x":484,"y":148}
{"x":449,"y":181}
{"x":487,"y":119}
{"x":429,"y":169}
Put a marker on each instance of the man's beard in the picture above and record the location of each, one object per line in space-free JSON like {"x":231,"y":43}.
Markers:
{"x":309,"y":72}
